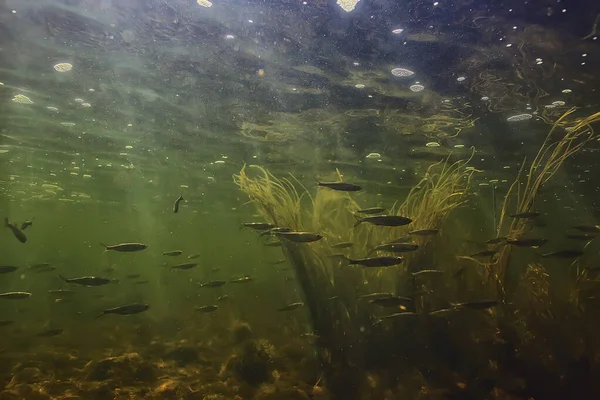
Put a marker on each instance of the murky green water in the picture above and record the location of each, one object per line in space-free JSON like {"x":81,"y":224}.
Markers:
{"x":456,"y":116}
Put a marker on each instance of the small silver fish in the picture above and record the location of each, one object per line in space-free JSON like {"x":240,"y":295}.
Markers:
{"x":126,"y":310}
{"x":15,"y":295}
{"x":427,"y":272}
{"x":342,"y":245}
{"x":424,"y":232}
{"x":207,"y":309}
{"x":172,"y":253}
{"x":291,"y":306}
{"x":258,"y":226}
{"x":243,"y":279}
{"x":395,"y":247}
{"x":300,"y":237}
{"x":184,"y":266}
{"x":212,"y":284}
{"x":126,"y":247}
{"x":87,"y":280}
{"x":341,"y":186}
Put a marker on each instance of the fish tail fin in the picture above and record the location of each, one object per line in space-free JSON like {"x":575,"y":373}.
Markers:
{"x":6,"y":223}
{"x":359,"y":220}
{"x":103,"y":245}
{"x":63,"y":278}
{"x":101,"y":315}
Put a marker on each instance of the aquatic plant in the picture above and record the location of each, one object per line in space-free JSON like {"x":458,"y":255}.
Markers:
{"x":549,"y":159}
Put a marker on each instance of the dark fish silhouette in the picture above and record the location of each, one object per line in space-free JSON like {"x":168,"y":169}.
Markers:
{"x":291,"y":306}
{"x":207,"y":309}
{"x":570,"y":253}
{"x":376,"y":261}
{"x":395,"y":247}
{"x":27,"y":224}
{"x":126,"y":247}
{"x":16,"y":231}
{"x":477,"y":305}
{"x":525,"y":215}
{"x":126,"y":310}
{"x":342,"y":245}
{"x":341,"y":186}
{"x":5,"y":269}
{"x":483,"y":254}
{"x":394,"y":301}
{"x":383,"y":220}
{"x":581,"y":236}
{"x":184,"y":266}
{"x":6,"y":322}
{"x":497,"y":240}
{"x":533,"y":242}
{"x":50,"y":332}
{"x":258,"y":226}
{"x":87,"y":280}
{"x":424,"y":232}
{"x":212,"y":284}
{"x":588,"y":228}
{"x":176,"y":205}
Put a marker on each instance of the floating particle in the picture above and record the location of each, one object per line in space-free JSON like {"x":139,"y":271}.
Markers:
{"x":129,"y":147}
{"x":566,"y":91}
{"x":484,"y":184}
{"x":397,"y":31}
{"x":402,"y":72}
{"x":493,"y":180}
{"x":91,"y":90}
{"x":63,"y":67}
{"x":78,"y":100}
{"x":549,"y":106}
{"x":87,"y":176}
{"x":416,"y":88}
{"x":74,"y":173}
{"x":3,"y":151}
{"x":506,"y":167}
{"x":432,"y":144}
{"x":52,"y":108}
{"x":347,"y":5}
{"x":22,"y":99}
{"x":229,"y":37}
{"x":86,"y":105}
{"x":519,"y":117}
{"x":129,"y":125}
{"x":1,"y":84}
{"x":123,"y":154}
{"x":204,"y":3}
{"x":460,"y":79}
{"x":373,"y":155}
{"x":183,"y":186}
{"x":359,"y":86}
{"x":485,"y":98}
{"x":67,"y":123}
{"x":558,"y":103}
{"x":459,"y":146}
{"x":219,"y":162}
